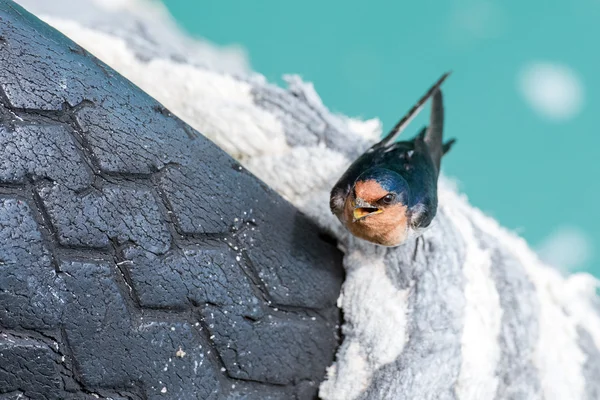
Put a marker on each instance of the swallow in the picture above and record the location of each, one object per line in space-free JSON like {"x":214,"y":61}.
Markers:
{"x":389,"y":194}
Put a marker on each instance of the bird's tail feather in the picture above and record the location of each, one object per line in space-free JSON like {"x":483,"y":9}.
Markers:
{"x":448,"y":145}
{"x":412,"y":113}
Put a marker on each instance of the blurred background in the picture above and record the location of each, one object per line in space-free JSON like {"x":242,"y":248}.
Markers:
{"x":522,"y":100}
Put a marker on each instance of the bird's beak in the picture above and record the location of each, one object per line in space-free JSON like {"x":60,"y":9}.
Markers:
{"x":363,"y":209}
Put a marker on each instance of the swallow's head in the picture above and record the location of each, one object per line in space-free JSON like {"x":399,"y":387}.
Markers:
{"x":376,"y":209}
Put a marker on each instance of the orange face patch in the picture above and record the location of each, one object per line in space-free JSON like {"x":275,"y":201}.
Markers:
{"x":388,"y":228}
{"x":370,"y":191}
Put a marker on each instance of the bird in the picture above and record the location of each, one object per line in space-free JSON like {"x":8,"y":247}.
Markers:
{"x":389,"y":194}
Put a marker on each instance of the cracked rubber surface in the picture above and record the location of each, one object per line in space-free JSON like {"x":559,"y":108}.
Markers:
{"x":137,"y":260}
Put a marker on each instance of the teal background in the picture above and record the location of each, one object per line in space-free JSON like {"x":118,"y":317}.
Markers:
{"x":374,"y":59}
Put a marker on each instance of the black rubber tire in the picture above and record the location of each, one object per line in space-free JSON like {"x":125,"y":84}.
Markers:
{"x":138,"y":260}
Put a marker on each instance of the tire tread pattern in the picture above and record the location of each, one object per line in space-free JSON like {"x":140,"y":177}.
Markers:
{"x":137,"y":259}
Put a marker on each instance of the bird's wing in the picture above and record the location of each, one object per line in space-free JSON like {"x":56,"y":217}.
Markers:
{"x":435,"y":131}
{"x":412,"y":113}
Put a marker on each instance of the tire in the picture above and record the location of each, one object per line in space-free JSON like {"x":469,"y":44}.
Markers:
{"x":138,"y":260}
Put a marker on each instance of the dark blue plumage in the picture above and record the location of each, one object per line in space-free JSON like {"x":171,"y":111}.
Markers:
{"x":390,"y":192}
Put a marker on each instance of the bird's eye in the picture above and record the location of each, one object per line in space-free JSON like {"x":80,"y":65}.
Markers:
{"x":388,"y":198}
